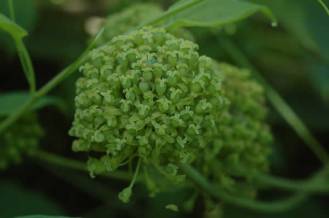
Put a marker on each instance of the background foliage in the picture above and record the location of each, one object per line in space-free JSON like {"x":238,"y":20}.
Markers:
{"x":293,"y":57}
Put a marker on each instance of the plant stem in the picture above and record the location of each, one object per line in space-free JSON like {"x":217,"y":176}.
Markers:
{"x":219,"y":194}
{"x":136,"y":173}
{"x":315,"y":184}
{"x":23,"y":53}
{"x":41,"y":92}
{"x":48,"y":87}
{"x":325,"y":7}
{"x":11,"y":10}
{"x":308,"y":186}
{"x":26,"y":62}
{"x":278,"y":102}
{"x":76,"y":165}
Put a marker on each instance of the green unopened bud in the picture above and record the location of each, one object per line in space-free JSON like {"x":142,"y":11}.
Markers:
{"x":125,"y":195}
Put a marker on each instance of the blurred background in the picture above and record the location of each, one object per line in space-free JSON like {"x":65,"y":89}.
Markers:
{"x":293,"y":57}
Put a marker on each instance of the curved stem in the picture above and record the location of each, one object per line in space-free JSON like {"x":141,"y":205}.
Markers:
{"x":11,"y":10}
{"x":45,"y":89}
{"x":136,"y":173}
{"x":73,"y":164}
{"x":325,"y":7}
{"x":23,"y":53}
{"x":309,"y":185}
{"x":273,"y":206}
{"x":278,"y":102}
{"x":27,"y":64}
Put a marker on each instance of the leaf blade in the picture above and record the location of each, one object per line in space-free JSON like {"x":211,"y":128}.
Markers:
{"x":10,"y":102}
{"x":18,"y":33}
{"x":214,"y":13}
{"x":12,"y":28}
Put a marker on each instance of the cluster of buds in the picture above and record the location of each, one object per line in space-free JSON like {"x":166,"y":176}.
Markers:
{"x":245,"y":137}
{"x":21,"y":138}
{"x":150,"y":95}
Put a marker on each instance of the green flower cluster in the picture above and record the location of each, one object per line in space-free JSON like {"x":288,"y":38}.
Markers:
{"x":150,"y":95}
{"x":22,"y":137}
{"x":245,"y":136}
{"x":132,"y":17}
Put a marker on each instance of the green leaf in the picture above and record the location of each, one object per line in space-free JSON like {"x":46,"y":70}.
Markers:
{"x":214,"y":13}
{"x":10,"y":102}
{"x":25,"y":12}
{"x":17,"y":201}
{"x":12,"y":28}
{"x":17,"y":33}
{"x":305,"y":20}
{"x":25,"y":17}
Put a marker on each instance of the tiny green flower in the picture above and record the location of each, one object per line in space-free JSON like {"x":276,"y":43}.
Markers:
{"x":125,"y":194}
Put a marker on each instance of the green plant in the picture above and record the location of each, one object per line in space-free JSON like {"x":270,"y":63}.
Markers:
{"x":151,"y":109}
{"x":23,"y":137}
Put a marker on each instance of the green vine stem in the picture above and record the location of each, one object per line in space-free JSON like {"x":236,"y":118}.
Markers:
{"x":47,"y":87}
{"x":277,"y":101}
{"x":26,"y":62}
{"x":44,"y":90}
{"x":273,"y":206}
{"x":75,"y":165}
{"x":23,"y":53}
{"x":11,"y":10}
{"x":325,"y":7}
{"x":316,"y":184}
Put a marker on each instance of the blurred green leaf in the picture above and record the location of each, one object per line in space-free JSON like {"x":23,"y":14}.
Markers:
{"x":12,"y":101}
{"x":17,"y":33}
{"x":59,"y":37}
{"x":12,"y":28}
{"x":26,"y":16}
{"x":324,"y":6}
{"x":16,"y":201}
{"x":305,"y":20}
{"x":214,"y":13}
{"x":25,"y":12}
{"x":320,"y":78}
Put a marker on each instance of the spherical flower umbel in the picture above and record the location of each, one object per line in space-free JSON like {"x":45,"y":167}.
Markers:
{"x":150,"y":95}
{"x":22,"y":137}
